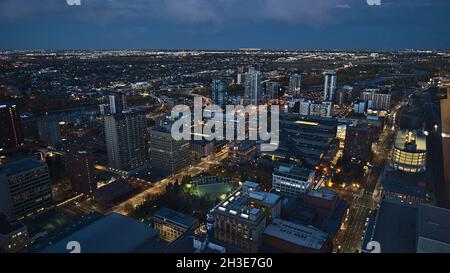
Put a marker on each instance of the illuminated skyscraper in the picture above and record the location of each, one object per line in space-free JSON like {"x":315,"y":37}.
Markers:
{"x":219,"y":90}
{"x":295,"y":84}
{"x":118,"y":103}
{"x":25,"y":188}
{"x":125,"y":139}
{"x":168,"y":156}
{"x":329,"y":85}
{"x":10,"y":128}
{"x":49,"y":131}
{"x":253,"y":86}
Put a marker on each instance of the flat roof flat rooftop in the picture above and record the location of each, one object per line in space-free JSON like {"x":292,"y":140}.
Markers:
{"x":113,"y":233}
{"x":20,"y":166}
{"x":176,"y":217}
{"x":395,"y":227}
{"x":305,"y":236}
{"x":434,"y":223}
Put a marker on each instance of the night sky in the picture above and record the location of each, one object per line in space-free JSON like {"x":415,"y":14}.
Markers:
{"x":224,"y":24}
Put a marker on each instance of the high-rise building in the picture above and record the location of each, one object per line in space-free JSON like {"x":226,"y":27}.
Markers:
{"x":219,"y":90}
{"x":272,"y":90}
{"x":375,"y":100}
{"x":358,"y":143}
{"x":445,"y":123}
{"x":295,"y":82}
{"x":25,"y":189}
{"x":104,"y":109}
{"x":118,"y":103}
{"x":240,"y":75}
{"x":81,"y":171}
{"x":329,"y":88}
{"x":168,"y":156}
{"x":125,"y":139}
{"x":49,"y":130}
{"x":10,"y":128}
{"x":253,"y":86}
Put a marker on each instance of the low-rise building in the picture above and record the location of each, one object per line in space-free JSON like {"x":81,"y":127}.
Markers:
{"x":292,"y":180}
{"x":172,"y":224}
{"x":284,"y":236}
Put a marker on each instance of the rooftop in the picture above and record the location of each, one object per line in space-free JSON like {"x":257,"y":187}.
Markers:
{"x":176,"y":218}
{"x":407,"y":136}
{"x":20,"y":166}
{"x":113,"y":233}
{"x":305,"y":236}
{"x":236,"y":205}
{"x":395,"y":227}
{"x":434,"y":223}
{"x":293,"y":172}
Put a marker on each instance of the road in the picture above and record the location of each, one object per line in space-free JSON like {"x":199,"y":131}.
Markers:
{"x":159,"y":187}
{"x":362,"y":205}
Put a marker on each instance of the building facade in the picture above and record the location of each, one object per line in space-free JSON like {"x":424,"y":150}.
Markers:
{"x":409,"y":153}
{"x":329,"y":88}
{"x":168,"y":156}
{"x":253,"y":86}
{"x":171,"y":224}
{"x":292,"y":180}
{"x":81,"y":170}
{"x":219,"y":91}
{"x":125,"y":139}
{"x":295,"y":83}
{"x":25,"y":189}
{"x":49,"y":130}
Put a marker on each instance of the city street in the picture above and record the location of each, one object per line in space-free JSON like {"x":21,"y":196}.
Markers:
{"x":361,"y":207}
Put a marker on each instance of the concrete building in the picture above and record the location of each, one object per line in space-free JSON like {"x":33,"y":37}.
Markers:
{"x":125,"y":139}
{"x":219,"y":91}
{"x":10,"y":128}
{"x":292,"y":180}
{"x":49,"y":130}
{"x":171,"y":224}
{"x":295,"y":83}
{"x":329,"y":88}
{"x":284,"y":236}
{"x":358,"y":143}
{"x":25,"y":189}
{"x":81,"y":171}
{"x":433,"y":230}
{"x":376,"y":100}
{"x":403,"y":228}
{"x":240,"y":219}
{"x":113,"y":233}
{"x":305,"y":138}
{"x":322,"y":109}
{"x":409,"y":153}
{"x":168,"y":156}
{"x":318,"y":109}
{"x":272,"y":90}
{"x":118,"y":103}
{"x":253,"y":86}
